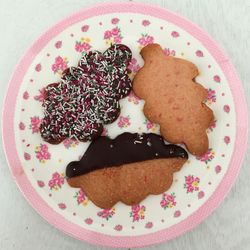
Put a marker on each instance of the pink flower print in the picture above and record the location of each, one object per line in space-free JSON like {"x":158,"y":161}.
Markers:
{"x":70,"y":143}
{"x":144,"y":40}
{"x":115,"y":20}
{"x":135,"y":208}
{"x":85,"y":28}
{"x":177,"y":213}
{"x":62,"y":206}
{"x":163,"y":203}
{"x":44,"y":147}
{"x":78,"y":47}
{"x":88,"y":221}
{"x":133,"y":61}
{"x":133,"y":66}
{"x":149,"y":225}
{"x":166,"y":51}
{"x":217,"y":169}
{"x":170,"y":198}
{"x":40,"y":184}
{"x":137,"y":212}
{"x":212,"y":126}
{"x":41,"y":95}
{"x":151,"y":126}
{"x":207,"y":157}
{"x":145,"y":22}
{"x":38,"y":67}
{"x":106,"y":213}
{"x":58,"y":60}
{"x":27,"y":156}
{"x":107,"y":34}
{"x":226,"y":108}
{"x":58,"y":44}
{"x":82,"y":45}
{"x":199,"y":53}
{"x":117,"y":39}
{"x":86,"y":46}
{"x":59,"y":65}
{"x":175,"y":34}
{"x":169,"y":52}
{"x":133,"y":98}
{"x":21,"y":126}
{"x":54,"y":68}
{"x":201,"y":194}
{"x":124,"y":122}
{"x":118,"y":227}
{"x":115,"y":31}
{"x":211,"y":96}
{"x":25,"y":95}
{"x":81,"y":198}
{"x":35,"y":124}
{"x":227,"y":139}
{"x":149,"y":39}
{"x":217,"y":78}
{"x":168,"y":201}
{"x":191,"y":183}
{"x":57,"y":181}
{"x":42,"y":153}
{"x":113,"y":36}
{"x":136,"y":217}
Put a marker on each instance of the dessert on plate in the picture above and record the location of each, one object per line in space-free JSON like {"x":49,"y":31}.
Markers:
{"x":131,"y":166}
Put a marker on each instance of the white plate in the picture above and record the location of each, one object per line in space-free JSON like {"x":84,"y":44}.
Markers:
{"x":43,"y":164}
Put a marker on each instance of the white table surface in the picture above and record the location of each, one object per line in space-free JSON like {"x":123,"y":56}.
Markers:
{"x":22,"y":21}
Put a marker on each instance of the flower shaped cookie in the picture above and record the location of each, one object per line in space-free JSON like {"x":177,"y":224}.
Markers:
{"x":87,"y":96}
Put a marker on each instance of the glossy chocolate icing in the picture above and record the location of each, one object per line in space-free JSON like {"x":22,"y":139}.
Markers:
{"x":124,"y":149}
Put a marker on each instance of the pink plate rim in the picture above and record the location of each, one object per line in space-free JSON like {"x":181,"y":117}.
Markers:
{"x":125,"y":241}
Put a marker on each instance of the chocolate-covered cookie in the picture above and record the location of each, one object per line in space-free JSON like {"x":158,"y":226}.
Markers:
{"x":127,"y":168}
{"x":87,"y":96}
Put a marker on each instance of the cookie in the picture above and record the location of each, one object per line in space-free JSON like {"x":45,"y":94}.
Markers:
{"x":173,"y":99}
{"x":87,"y":96}
{"x":127,"y":168}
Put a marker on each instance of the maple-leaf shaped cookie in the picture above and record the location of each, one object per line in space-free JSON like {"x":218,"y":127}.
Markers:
{"x":87,"y":96}
{"x":173,"y":99}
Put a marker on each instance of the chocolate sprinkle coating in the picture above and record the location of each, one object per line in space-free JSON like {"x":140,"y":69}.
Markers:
{"x":124,"y":149}
{"x":87,"y":96}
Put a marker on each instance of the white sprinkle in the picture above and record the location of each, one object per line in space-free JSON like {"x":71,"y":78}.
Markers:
{"x":135,"y":142}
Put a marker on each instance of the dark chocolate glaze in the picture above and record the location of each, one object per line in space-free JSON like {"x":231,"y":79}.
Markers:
{"x":124,"y":149}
